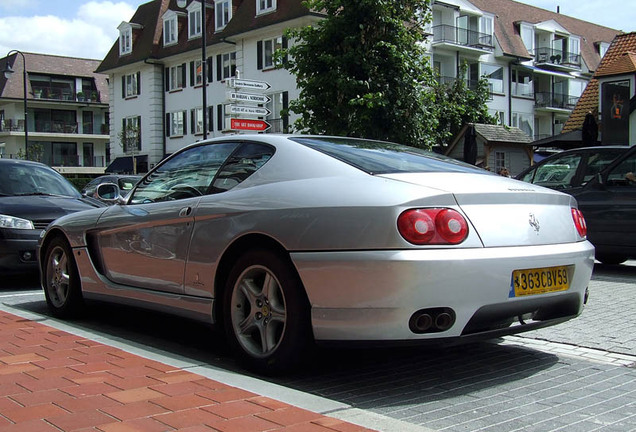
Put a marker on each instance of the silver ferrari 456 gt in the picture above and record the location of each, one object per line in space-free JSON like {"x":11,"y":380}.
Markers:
{"x":284,"y":240}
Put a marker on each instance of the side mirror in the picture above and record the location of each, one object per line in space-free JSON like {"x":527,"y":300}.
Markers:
{"x":108,"y":192}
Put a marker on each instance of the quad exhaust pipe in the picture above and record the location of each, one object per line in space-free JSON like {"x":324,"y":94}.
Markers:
{"x":432,"y":320}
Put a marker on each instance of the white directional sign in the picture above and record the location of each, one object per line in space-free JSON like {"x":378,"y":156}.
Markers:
{"x":248,"y":84}
{"x":248,"y":97}
{"x":249,"y":110}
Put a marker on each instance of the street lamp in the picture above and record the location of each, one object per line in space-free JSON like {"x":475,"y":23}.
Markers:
{"x":8,"y":71}
{"x":204,"y":75}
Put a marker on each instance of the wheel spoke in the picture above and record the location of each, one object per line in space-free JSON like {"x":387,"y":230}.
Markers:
{"x":247,"y":325}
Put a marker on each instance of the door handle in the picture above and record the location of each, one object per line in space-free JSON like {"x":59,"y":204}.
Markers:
{"x":184,"y":212}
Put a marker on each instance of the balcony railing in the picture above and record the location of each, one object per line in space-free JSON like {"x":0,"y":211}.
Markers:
{"x":65,"y":95}
{"x":462,"y":36}
{"x":557,"y":57}
{"x":555,"y":100}
{"x":56,"y":127}
{"x":471,"y":84}
{"x":66,"y":161}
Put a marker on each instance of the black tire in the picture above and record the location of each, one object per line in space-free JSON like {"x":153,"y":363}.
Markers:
{"x":266,"y":313}
{"x":60,"y":280}
{"x":611,"y":259}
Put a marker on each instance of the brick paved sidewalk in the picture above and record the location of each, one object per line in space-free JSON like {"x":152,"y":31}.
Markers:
{"x":51,"y":380}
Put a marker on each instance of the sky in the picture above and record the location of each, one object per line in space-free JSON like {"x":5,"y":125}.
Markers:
{"x":88,"y":28}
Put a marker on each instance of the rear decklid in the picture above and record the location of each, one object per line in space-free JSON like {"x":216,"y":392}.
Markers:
{"x":505,"y":212}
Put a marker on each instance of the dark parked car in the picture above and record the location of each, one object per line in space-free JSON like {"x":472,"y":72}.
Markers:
{"x":599,"y":179}
{"x":31,"y":196}
{"x":125,"y":183}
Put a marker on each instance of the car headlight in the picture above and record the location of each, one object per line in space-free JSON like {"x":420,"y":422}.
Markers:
{"x":15,"y":222}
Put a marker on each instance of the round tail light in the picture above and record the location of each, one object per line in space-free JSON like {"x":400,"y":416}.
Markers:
{"x":579,"y":222}
{"x":432,"y":226}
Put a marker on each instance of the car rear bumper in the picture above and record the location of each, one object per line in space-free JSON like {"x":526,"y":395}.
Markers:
{"x":375,"y":295}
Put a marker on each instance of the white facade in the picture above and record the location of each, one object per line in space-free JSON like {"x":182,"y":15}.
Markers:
{"x":533,"y":92}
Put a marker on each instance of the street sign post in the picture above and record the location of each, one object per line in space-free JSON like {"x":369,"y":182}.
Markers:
{"x":249,"y":110}
{"x":248,"y":97}
{"x":248,"y":84}
{"x":249,"y":125}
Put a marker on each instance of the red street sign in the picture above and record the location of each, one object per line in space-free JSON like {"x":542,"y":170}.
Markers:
{"x":250,"y":125}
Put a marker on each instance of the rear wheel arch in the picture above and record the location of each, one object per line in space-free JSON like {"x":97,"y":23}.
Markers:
{"x":232,"y":254}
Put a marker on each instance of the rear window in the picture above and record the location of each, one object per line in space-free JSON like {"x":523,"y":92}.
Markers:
{"x":378,"y":157}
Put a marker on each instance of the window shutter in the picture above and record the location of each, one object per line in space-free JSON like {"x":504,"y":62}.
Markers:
{"x":259,"y":55}
{"x":219,"y":67}
{"x":285,"y":45}
{"x":185,"y":122}
{"x":192,"y":74}
{"x":168,"y":124}
{"x":123,"y":130}
{"x":285,"y":116}
{"x":211,"y":118}
{"x":183,"y":75}
{"x":138,"y":132}
{"x":123,"y":87}
{"x":210,"y":71}
{"x":138,"y":83}
{"x":167,"y":79}
{"x":219,"y":117}
{"x":192,"y":121}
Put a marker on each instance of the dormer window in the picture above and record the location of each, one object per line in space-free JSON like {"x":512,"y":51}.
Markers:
{"x":222,"y":13}
{"x":194,"y":20}
{"x":125,"y":38}
{"x":264,"y":6}
{"x":170,"y":28}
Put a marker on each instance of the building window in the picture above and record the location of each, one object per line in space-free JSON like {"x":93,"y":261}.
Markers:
{"x":263,"y":6}
{"x":131,"y":134}
{"x":522,"y":84}
{"x":527,"y":36}
{"x":223,"y":13}
{"x":196,"y":73}
{"x":176,"y":124}
{"x":196,"y":121}
{"x":194,"y":20}
{"x":130,"y":85}
{"x":523,"y":121}
{"x":265,"y":52}
{"x":175,"y":77}
{"x":226,"y":66}
{"x":602,"y":48}
{"x":500,"y":161}
{"x":170,"y":29}
{"x":278,"y":102}
{"x":486,"y":27}
{"x":125,"y":41}
{"x":494,"y":75}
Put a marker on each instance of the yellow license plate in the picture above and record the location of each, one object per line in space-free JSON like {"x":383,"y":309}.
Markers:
{"x":539,"y":281}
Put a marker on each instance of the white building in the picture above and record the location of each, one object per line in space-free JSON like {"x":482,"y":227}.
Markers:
{"x":536,"y":61}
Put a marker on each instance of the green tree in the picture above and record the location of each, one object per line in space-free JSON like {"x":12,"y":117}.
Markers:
{"x":457,"y":104}
{"x":130,"y":140}
{"x":362,"y":71}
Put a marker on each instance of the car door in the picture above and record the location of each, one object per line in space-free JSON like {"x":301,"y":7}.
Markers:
{"x":144,"y":243}
{"x":609,"y":206}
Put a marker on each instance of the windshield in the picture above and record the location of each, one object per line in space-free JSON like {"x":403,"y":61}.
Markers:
{"x":377,"y":157}
{"x":31,"y":179}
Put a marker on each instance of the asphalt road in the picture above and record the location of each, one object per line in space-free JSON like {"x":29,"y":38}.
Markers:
{"x":578,"y":376}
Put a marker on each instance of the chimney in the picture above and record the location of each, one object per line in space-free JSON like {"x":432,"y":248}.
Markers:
{"x":558,"y":9}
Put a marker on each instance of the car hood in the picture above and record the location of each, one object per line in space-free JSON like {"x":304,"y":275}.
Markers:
{"x":42,"y":209}
{"x":505,"y":212}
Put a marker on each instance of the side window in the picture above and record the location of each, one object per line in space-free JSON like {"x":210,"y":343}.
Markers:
{"x":597,"y":162}
{"x":558,"y":173}
{"x":623,"y":173}
{"x":188,"y":174}
{"x":242,"y":164}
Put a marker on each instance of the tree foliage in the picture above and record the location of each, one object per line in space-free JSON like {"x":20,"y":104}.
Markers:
{"x":362,"y":71}
{"x":457,"y":104}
